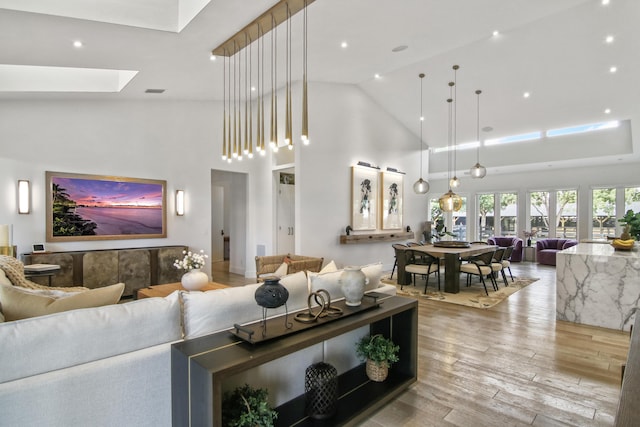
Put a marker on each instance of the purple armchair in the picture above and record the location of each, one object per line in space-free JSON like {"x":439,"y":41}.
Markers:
{"x":505,"y":241}
{"x":546,"y":249}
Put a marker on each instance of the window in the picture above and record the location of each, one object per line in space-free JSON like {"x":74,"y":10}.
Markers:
{"x":508,"y":214}
{"x":437,"y":219}
{"x":486,"y":207}
{"x":603,"y":213}
{"x":582,"y":128}
{"x":567,"y":214}
{"x":459,"y":221}
{"x":632,"y":199}
{"x":539,"y":213}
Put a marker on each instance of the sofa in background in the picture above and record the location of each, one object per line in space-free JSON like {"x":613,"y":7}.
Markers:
{"x":546,"y":249}
{"x":111,"y":365}
{"x":281,"y":265}
{"x":506,"y":241}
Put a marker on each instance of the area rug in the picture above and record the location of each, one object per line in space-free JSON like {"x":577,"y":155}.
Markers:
{"x":473,"y":296}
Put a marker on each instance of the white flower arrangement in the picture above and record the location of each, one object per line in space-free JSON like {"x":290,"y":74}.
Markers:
{"x":191,"y":260}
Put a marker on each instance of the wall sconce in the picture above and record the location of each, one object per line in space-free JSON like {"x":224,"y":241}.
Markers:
{"x":24,"y":196}
{"x":180,"y":202}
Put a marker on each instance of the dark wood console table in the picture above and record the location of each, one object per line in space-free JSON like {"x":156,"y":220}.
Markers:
{"x":200,"y":366}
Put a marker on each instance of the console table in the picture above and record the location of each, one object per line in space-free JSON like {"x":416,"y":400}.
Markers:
{"x":200,"y":366}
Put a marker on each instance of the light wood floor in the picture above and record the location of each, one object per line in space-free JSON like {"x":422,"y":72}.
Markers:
{"x":511,"y":365}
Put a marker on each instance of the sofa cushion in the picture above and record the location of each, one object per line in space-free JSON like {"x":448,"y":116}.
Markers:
{"x":79,"y":336}
{"x":18,"y":303}
{"x":213,"y":311}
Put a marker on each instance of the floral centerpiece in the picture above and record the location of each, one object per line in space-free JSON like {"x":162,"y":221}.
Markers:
{"x":192,"y":262}
{"x":529,"y":234}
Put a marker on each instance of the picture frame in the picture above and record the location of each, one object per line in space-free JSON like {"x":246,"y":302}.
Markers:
{"x":364,"y":198}
{"x":98,"y":207}
{"x":392,"y":200}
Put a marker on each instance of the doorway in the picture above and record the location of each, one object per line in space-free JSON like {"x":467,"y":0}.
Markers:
{"x":285,"y":212}
{"x":228,"y":222}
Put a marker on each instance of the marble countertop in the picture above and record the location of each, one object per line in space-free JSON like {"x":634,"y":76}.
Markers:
{"x":599,"y":249}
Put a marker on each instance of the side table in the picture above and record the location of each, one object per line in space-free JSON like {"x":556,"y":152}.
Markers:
{"x":529,"y":253}
{"x":44,"y":273}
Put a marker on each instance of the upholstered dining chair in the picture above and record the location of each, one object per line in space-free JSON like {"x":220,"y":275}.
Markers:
{"x":506,"y":260}
{"x":395,"y":247}
{"x":497,"y":267}
{"x":480,"y":265}
{"x":422,"y":264}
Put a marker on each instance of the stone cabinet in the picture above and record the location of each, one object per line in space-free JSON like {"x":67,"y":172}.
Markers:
{"x":598,"y":285}
{"x":135,"y":267}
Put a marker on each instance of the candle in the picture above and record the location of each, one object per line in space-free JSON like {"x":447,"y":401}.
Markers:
{"x":5,"y":235}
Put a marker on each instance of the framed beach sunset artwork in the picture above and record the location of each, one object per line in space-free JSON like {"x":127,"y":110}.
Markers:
{"x":95,"y":207}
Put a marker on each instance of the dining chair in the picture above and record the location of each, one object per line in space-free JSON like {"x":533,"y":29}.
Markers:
{"x":422,"y":264}
{"x":496,"y":265}
{"x":506,"y":260}
{"x":395,"y":247}
{"x":480,"y":265}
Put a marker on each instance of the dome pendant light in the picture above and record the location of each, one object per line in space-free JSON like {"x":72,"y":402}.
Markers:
{"x":421,"y":186}
{"x":478,"y":171}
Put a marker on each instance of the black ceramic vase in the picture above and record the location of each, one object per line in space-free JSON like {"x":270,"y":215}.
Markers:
{"x":271,"y":294}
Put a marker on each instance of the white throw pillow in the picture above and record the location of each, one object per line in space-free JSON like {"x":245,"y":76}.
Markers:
{"x":329,"y":267}
{"x":373,"y":273}
{"x":282,"y":270}
{"x":18,"y":303}
{"x":4,"y":280}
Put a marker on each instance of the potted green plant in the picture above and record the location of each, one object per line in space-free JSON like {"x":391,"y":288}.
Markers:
{"x":247,"y":407}
{"x":380,"y":353}
{"x":631,"y":221}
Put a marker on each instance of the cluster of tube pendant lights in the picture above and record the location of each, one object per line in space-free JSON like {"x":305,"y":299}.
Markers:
{"x":239,"y":80}
{"x":450,"y":201}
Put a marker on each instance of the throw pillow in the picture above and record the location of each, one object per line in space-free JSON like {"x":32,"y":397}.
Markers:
{"x":373,"y":273}
{"x":4,"y":280}
{"x":282,"y":270}
{"x":20,"y":304}
{"x":329,"y":267}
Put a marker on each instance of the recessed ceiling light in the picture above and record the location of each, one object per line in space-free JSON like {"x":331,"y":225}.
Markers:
{"x":399,"y":48}
{"x":609,"y":39}
{"x":253,"y":88}
{"x":343,"y":45}
{"x":496,"y":33}
{"x":212,"y":58}
{"x":487,"y":129}
{"x":526,"y":94}
{"x":377,"y":76}
{"x":607,"y":111}
{"x":77,"y":43}
{"x":154,"y":91}
{"x":605,"y":2}
{"x":613,"y":69}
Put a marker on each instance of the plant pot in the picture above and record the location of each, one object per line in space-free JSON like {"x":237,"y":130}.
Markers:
{"x":194,"y":280}
{"x":352,"y":283}
{"x":377,"y":372}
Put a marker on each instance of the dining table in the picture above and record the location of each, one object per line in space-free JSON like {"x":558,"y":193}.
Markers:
{"x":452,"y":259}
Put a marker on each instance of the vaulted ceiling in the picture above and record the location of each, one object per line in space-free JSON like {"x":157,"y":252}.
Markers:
{"x":556,"y":50}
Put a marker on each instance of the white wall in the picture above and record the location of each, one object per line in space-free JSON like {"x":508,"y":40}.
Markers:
{"x":180,"y":142}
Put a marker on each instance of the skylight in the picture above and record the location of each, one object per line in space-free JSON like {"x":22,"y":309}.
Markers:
{"x":514,"y":138}
{"x":464,"y":146}
{"x":166,"y":15}
{"x":28,"y":78}
{"x":583,"y":128}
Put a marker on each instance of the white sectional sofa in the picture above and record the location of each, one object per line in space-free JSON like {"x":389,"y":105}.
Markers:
{"x":111,"y":365}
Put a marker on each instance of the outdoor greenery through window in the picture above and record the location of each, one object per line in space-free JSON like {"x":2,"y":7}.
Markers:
{"x":603,"y":213}
{"x":459,"y":221}
{"x":486,"y":208}
{"x":632,"y":199}
{"x":508,"y":214}
{"x":539,"y":213}
{"x":567,"y":214}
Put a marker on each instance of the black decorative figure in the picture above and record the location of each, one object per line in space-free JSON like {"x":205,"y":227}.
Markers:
{"x":272,"y":294}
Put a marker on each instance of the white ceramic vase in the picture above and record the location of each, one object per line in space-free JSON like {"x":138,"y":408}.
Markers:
{"x":352,"y":283}
{"x":194,"y":280}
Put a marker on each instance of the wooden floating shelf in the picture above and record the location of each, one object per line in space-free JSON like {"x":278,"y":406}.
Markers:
{"x":376,"y":237}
